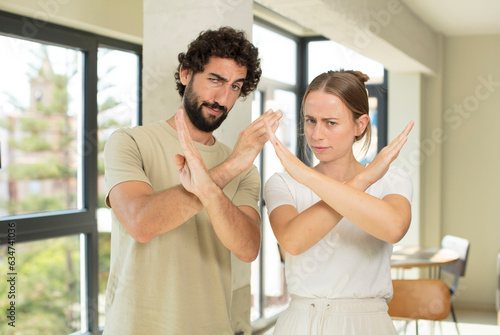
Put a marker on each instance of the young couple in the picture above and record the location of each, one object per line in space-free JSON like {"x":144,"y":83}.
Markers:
{"x":182,"y":202}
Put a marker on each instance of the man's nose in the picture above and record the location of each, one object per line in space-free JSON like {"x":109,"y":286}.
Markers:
{"x":224,"y":96}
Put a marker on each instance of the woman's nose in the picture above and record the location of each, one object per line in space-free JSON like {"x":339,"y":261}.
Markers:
{"x":318,"y":132}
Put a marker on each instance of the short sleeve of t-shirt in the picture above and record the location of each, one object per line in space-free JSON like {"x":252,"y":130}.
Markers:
{"x":395,"y":181}
{"x":122,"y":161}
{"x":278,"y":192}
{"x":248,"y":190}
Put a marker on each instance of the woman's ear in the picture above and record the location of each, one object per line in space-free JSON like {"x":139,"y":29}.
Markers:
{"x":185,"y":75}
{"x":361,"y":124}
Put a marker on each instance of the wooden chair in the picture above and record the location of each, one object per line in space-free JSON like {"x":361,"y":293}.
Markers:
{"x":420,"y":299}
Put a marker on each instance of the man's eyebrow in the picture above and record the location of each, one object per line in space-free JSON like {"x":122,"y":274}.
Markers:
{"x":225,"y":79}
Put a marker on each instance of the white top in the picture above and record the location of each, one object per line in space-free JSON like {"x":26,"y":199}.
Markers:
{"x":347,"y":262}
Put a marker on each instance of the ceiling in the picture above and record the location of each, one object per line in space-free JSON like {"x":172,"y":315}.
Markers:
{"x":458,"y":17}
{"x":447,"y":17}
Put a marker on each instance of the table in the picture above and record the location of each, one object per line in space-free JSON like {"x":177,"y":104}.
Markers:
{"x":406,"y":257}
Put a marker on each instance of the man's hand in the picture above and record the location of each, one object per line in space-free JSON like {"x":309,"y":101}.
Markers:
{"x":193,"y":174}
{"x":252,"y":139}
{"x":238,"y":228}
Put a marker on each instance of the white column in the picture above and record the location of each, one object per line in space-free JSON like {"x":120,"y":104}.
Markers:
{"x":405,"y":105}
{"x":169,"y":26}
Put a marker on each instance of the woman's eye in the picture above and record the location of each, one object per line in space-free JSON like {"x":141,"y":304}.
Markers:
{"x":310,"y":121}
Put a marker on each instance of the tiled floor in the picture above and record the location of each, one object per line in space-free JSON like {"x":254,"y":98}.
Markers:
{"x":470,"y":323}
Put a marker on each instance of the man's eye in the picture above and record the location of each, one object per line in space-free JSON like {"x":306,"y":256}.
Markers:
{"x":236,"y":87}
{"x":310,"y":121}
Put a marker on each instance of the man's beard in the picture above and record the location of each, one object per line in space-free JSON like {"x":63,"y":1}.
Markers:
{"x":195,"y":111}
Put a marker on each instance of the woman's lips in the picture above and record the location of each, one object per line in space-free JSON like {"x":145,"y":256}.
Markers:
{"x":320,"y":149}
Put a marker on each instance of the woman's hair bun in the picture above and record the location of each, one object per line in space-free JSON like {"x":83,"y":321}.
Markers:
{"x":358,"y":74}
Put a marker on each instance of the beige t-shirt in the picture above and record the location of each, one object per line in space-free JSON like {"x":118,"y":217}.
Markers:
{"x":180,"y":281}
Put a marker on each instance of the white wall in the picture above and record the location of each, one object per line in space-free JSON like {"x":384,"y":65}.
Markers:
{"x":471,"y":163}
{"x":109,"y":18}
{"x":404,"y":93}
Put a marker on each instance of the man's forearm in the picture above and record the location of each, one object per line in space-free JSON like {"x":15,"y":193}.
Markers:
{"x":225,"y":172}
{"x":239,"y":231}
{"x":161,"y":212}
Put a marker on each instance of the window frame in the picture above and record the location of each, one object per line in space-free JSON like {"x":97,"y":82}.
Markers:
{"x":41,"y":226}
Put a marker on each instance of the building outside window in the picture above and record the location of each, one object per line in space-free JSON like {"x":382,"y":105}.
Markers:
{"x":53,"y":127}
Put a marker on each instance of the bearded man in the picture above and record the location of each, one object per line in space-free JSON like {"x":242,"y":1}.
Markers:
{"x":182,"y":201}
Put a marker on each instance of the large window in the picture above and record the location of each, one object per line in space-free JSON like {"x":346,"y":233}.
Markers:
{"x":62,"y":92}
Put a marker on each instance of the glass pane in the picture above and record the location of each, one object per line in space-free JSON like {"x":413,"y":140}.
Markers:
{"x":117,"y":99}
{"x":362,"y":155}
{"x":45,"y":288}
{"x":287,"y":130}
{"x":255,"y":312}
{"x":278,"y":54}
{"x":329,"y":55}
{"x":40,"y":127}
{"x":276,"y":295}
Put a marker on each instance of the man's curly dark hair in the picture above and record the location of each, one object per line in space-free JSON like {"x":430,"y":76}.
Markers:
{"x":225,"y":42}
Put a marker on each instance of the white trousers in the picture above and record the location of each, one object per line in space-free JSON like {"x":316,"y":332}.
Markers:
{"x":306,"y":316}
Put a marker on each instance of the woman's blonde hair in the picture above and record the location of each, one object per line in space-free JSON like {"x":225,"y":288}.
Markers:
{"x":349,"y":86}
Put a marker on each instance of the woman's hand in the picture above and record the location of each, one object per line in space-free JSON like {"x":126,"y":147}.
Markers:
{"x":380,"y":164}
{"x":252,"y":139}
{"x":294,"y":166}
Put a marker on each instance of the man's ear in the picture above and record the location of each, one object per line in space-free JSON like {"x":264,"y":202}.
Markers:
{"x":185,"y":75}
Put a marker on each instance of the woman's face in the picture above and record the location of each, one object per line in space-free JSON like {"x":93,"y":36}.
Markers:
{"x":329,"y":126}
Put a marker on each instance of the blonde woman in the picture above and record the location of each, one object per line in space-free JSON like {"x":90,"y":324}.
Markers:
{"x":337,"y":221}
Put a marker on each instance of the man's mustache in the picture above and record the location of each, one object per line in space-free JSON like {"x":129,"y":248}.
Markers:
{"x":215,"y":106}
